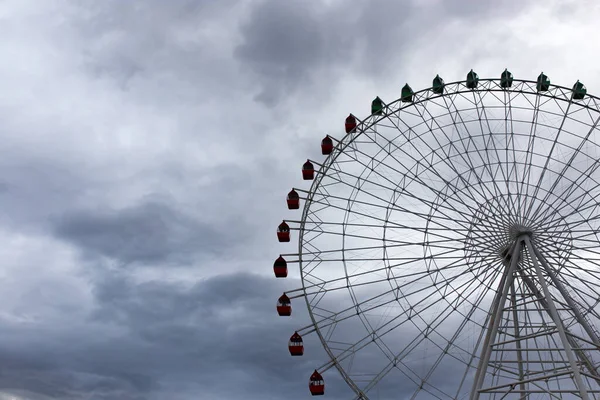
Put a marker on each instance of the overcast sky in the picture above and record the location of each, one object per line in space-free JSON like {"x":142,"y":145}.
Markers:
{"x":147,"y":148}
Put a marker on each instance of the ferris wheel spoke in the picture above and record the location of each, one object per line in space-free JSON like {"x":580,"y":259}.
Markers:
{"x":440,"y":222}
{"x":340,"y":316}
{"x":416,"y":277}
{"x":446,"y":155}
{"x":471,"y":141}
{"x":444,"y":243}
{"x":589,"y":250}
{"x":414,"y":176}
{"x":591,"y":272}
{"x":398,"y":357}
{"x":548,"y":158}
{"x":525,"y":180}
{"x":459,"y":300}
{"x":365,"y":340}
{"x":579,"y":207}
{"x":408,"y":274}
{"x":469,"y":166}
{"x":421,"y":200}
{"x":548,"y":217}
{"x":485,"y":118}
{"x":574,"y":224}
{"x":593,"y":279}
{"x":568,"y":165}
{"x":482,"y":116}
{"x":394,"y":207}
{"x":511,"y":167}
{"x":380,"y":239}
{"x":458,"y":332}
{"x":423,"y":157}
{"x":588,"y":236}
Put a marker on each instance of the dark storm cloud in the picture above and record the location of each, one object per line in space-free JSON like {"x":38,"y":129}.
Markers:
{"x":145,"y":339}
{"x":182,"y":314}
{"x":172,"y":54}
{"x":288,"y":44}
{"x":65,"y":363}
{"x":71,"y":377}
{"x":148,"y":233}
{"x":216,"y":220}
{"x":299,"y":45}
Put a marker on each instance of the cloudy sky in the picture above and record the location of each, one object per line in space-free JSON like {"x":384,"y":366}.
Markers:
{"x":147,"y":147}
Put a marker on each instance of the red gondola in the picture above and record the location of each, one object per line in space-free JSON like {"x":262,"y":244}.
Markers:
{"x":326,"y":145}
{"x":283,"y":232}
{"x":308,"y":171}
{"x":316,"y":384}
{"x":284,"y":306}
{"x":293,"y":200}
{"x":350,"y":123}
{"x":295,"y":345}
{"x":280,"y":267}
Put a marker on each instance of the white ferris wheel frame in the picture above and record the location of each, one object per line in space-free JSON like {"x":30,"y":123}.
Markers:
{"x":522,"y":243}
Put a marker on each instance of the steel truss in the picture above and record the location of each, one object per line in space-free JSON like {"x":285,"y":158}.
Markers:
{"x":523,"y":374}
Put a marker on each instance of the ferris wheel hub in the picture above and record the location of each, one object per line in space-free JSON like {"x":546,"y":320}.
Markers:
{"x":517,"y":230}
{"x":516,"y":233}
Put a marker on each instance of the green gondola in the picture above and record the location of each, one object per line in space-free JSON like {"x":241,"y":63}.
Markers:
{"x":543,"y":83}
{"x":472,"y":80}
{"x":377,"y":106}
{"x":438,"y":85}
{"x":506,"y":79}
{"x":579,"y":91}
{"x":407,"y":94}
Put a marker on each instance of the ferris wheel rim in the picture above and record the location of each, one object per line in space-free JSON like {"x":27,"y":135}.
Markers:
{"x":351,"y":137}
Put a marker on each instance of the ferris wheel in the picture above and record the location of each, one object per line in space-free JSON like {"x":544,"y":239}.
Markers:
{"x":448,"y":246}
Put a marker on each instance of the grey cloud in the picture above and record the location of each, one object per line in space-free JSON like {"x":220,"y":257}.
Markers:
{"x":288,"y":44}
{"x":298,"y":45}
{"x":53,"y":367}
{"x":144,"y":48}
{"x":216,"y":220}
{"x":225,"y":326}
{"x":148,"y":233}
{"x":217,"y":330}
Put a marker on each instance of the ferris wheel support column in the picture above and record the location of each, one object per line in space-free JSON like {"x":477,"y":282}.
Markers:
{"x":513,"y":299}
{"x":580,"y":318}
{"x":505,"y":285}
{"x":559,"y":325}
